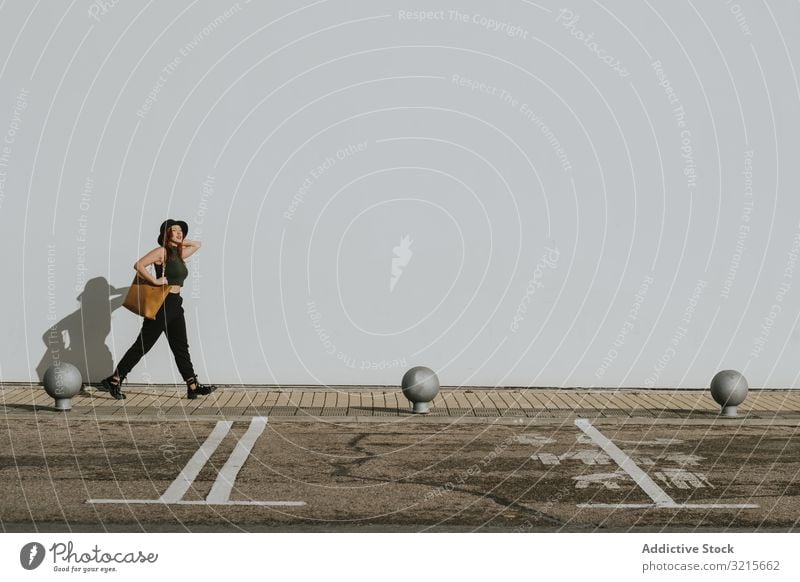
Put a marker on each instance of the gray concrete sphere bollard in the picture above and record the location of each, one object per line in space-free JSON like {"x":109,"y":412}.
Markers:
{"x":62,"y":381}
{"x":728,"y":389}
{"x":420,"y":385}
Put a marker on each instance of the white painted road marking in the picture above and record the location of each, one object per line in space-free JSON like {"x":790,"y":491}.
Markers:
{"x":683,"y":479}
{"x":221,"y":490}
{"x":625,"y":463}
{"x":607,"y":480}
{"x":534,"y":439}
{"x":192,"y":469}
{"x":683,"y":459}
{"x":587,"y":457}
{"x":583,"y":439}
{"x":650,"y":487}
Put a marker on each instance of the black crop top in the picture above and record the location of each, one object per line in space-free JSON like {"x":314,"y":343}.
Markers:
{"x":175,"y":270}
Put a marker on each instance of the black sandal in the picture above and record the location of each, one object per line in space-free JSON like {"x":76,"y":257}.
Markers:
{"x":113,"y":385}
{"x":199,"y":390}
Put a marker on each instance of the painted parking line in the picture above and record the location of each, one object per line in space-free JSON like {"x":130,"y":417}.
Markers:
{"x":181,"y":485}
{"x":223,"y":485}
{"x":221,"y":490}
{"x":660,"y":497}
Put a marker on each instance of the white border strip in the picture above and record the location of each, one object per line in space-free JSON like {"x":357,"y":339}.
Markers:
{"x":675,"y":506}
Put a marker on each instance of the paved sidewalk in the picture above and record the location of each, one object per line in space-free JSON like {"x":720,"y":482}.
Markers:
{"x":353,"y":403}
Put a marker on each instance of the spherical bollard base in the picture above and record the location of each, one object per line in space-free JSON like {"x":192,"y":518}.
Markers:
{"x":62,"y":381}
{"x":729,"y":412}
{"x":420,"y":385}
{"x":729,"y":390}
{"x":421,"y":408}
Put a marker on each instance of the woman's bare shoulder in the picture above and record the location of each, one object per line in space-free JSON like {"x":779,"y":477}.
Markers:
{"x":157,"y":256}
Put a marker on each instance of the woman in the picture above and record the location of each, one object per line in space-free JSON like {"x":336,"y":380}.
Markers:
{"x":168,"y":258}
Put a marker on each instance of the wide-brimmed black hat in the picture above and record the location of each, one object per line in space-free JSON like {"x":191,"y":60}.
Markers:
{"x":166,"y":225}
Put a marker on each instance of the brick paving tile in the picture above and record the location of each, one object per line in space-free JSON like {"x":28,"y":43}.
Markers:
{"x":558,"y":402}
{"x":516,"y":400}
{"x":461,"y":399}
{"x":659,"y":400}
{"x":136,"y":398}
{"x":642,"y":400}
{"x":695,"y":402}
{"x":602,"y":401}
{"x":241,"y":399}
{"x":365,"y":400}
{"x":272,"y":398}
{"x":222,"y":397}
{"x":672,"y":401}
{"x":318,"y":401}
{"x":496,"y":400}
{"x":28,"y":397}
{"x":475,"y":399}
{"x":447,"y":399}
{"x":396,"y":400}
{"x":625,"y":401}
{"x":537,"y":400}
{"x":287,"y":399}
{"x":570,"y":397}
{"x":248,"y":400}
{"x":583,"y":399}
{"x":774,"y":401}
{"x":759,"y":402}
{"x":259,"y":399}
{"x":561,"y":402}
{"x":20,"y":396}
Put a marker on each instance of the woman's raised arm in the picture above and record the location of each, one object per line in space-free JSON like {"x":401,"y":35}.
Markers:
{"x":190,"y":247}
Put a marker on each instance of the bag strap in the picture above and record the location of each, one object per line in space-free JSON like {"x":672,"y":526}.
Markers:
{"x":160,"y":268}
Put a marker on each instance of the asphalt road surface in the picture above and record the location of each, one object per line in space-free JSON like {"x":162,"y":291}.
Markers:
{"x":61,"y":473}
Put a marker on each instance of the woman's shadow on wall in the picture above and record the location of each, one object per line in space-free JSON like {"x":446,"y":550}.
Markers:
{"x":80,"y":337}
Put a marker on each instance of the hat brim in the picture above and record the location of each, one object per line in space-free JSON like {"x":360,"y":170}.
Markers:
{"x":166,"y":225}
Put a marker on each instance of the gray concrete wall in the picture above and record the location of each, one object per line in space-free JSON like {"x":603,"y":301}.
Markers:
{"x":513,"y":193}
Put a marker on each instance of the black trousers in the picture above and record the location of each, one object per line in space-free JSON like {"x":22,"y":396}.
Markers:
{"x":171,"y":321}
